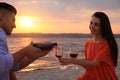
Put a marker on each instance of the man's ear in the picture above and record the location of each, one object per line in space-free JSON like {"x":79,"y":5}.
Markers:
{"x":1,"y":16}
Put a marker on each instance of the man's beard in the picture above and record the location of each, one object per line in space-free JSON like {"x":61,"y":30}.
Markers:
{"x":7,"y":31}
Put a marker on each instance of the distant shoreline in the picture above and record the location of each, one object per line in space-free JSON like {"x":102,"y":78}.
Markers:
{"x":59,"y":35}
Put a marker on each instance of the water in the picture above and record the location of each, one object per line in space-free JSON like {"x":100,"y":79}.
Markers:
{"x":50,"y":61}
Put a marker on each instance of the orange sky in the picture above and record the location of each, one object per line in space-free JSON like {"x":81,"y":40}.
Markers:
{"x":62,"y":16}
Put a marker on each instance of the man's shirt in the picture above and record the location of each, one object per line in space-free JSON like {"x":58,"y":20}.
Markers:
{"x":6,"y":59}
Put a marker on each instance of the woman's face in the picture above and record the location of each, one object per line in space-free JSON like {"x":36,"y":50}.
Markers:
{"x":94,"y":26}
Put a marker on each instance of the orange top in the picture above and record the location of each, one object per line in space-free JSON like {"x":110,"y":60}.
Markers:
{"x":103,"y":71}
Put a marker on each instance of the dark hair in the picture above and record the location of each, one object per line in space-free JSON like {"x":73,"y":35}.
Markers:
{"x":108,"y":34}
{"x":8,"y":7}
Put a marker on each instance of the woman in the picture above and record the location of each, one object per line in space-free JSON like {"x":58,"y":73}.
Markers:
{"x":101,"y":51}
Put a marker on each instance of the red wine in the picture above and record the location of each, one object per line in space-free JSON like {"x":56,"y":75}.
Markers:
{"x":58,"y":56}
{"x":73,"y":55}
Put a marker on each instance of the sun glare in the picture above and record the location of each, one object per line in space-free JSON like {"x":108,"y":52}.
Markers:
{"x":26,"y":22}
{"x":29,"y":24}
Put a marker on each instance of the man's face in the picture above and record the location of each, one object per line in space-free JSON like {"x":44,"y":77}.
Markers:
{"x":8,"y":22}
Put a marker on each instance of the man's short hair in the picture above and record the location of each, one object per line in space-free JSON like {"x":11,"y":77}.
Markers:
{"x":4,"y":5}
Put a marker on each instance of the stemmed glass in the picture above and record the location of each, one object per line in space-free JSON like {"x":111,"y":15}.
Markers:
{"x":59,"y":54}
{"x":73,"y":54}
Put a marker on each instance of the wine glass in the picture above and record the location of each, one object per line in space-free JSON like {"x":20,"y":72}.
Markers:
{"x":59,"y":54}
{"x":73,"y":54}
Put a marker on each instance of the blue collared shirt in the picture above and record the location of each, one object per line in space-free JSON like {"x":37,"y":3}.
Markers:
{"x":6,"y":59}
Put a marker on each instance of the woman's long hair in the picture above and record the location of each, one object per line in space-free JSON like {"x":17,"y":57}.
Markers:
{"x":108,"y":34}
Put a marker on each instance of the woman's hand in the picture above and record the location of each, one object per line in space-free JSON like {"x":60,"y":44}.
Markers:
{"x":65,"y":61}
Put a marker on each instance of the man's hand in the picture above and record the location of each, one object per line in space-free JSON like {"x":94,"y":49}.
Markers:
{"x":33,"y":52}
{"x":29,"y":52}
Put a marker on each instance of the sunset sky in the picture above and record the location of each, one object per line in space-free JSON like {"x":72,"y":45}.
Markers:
{"x":62,"y":16}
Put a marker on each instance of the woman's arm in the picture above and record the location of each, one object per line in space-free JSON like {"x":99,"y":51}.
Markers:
{"x":82,"y":62}
{"x":85,"y":63}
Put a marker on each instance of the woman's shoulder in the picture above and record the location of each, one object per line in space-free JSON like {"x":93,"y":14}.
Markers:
{"x":103,"y":42}
{"x":88,"y":42}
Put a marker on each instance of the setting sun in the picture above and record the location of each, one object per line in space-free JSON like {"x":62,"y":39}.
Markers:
{"x":26,"y":22}
{"x":29,"y":24}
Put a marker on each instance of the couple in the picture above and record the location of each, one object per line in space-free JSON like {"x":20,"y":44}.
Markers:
{"x":101,"y":51}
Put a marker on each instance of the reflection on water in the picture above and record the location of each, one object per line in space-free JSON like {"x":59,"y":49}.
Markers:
{"x":40,"y":65}
{"x":15,"y":44}
{"x":25,"y":41}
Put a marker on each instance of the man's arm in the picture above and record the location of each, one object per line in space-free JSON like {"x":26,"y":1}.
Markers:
{"x":6,"y":62}
{"x":28,"y":51}
{"x":26,"y":60}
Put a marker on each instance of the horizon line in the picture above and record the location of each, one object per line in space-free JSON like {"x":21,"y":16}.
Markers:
{"x":49,"y":33}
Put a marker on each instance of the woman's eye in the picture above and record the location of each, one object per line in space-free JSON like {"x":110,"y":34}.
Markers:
{"x":97,"y":24}
{"x":90,"y":23}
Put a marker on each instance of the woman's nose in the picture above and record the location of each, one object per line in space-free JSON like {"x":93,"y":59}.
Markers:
{"x":92,"y":27}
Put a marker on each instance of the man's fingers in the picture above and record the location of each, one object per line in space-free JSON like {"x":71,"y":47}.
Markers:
{"x":31,"y":42}
{"x":46,"y":51}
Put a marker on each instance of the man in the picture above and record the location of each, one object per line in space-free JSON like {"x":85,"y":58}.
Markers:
{"x":13,"y":62}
